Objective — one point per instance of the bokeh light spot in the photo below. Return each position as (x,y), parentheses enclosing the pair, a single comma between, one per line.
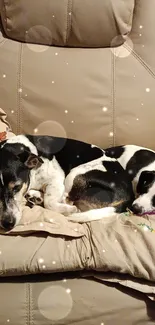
(122,50)
(38,33)
(55,303)
(52,128)
(41,260)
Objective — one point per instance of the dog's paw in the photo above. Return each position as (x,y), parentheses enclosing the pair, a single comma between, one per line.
(68,209)
(75,216)
(62,208)
(34,197)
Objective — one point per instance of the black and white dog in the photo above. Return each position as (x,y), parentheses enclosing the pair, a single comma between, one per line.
(77,179)
(139,163)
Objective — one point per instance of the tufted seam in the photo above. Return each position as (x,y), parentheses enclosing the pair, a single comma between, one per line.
(143,63)
(112,143)
(68,20)
(19,94)
(27,304)
(31,306)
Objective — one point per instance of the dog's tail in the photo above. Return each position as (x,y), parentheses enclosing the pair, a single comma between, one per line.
(92,215)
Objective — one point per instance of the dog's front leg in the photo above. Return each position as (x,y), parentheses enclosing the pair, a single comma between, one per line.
(53,197)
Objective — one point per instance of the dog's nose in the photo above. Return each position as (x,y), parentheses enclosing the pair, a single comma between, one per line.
(136,208)
(8,222)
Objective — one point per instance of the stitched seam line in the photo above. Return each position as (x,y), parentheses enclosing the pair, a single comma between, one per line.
(27,304)
(145,65)
(31,306)
(32,258)
(112,142)
(111,99)
(19,94)
(68,20)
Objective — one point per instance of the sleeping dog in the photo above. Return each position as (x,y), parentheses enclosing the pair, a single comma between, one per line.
(139,162)
(71,174)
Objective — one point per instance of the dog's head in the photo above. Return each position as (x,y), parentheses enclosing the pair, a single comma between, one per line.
(145,201)
(15,166)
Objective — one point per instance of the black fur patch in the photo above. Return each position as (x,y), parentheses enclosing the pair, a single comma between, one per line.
(16,148)
(140,159)
(146,180)
(114,167)
(115,152)
(69,153)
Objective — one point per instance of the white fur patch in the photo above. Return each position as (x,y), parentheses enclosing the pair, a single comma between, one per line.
(128,153)
(14,206)
(92,215)
(15,210)
(51,176)
(82,169)
(144,201)
(46,173)
(35,193)
(94,146)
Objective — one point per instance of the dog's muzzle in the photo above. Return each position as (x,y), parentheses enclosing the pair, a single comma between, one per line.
(136,209)
(8,221)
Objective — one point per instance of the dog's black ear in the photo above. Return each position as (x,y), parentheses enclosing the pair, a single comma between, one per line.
(147,176)
(30,160)
(146,179)
(33,161)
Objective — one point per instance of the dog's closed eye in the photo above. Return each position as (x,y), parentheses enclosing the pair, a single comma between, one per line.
(15,187)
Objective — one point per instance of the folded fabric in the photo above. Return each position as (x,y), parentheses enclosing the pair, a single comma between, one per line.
(123,245)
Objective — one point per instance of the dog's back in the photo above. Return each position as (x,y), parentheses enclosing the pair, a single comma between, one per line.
(69,153)
(133,158)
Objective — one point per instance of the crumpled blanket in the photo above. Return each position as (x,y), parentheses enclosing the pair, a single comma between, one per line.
(46,241)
